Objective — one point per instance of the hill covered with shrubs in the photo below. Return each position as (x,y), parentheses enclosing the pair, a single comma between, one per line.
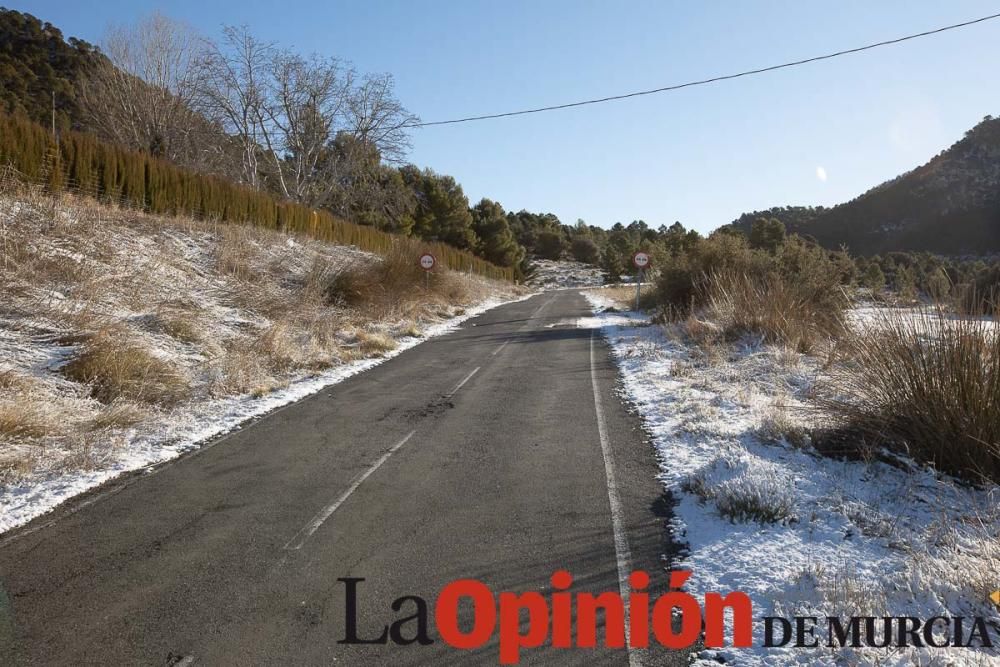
(951,205)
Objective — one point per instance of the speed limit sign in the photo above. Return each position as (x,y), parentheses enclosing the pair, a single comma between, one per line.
(427,261)
(640,259)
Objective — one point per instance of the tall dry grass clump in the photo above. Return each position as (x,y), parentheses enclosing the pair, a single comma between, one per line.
(792,294)
(797,314)
(396,282)
(116,366)
(927,384)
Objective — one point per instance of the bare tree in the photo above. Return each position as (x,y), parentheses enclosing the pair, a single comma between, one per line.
(232,89)
(378,119)
(307,100)
(141,95)
(288,111)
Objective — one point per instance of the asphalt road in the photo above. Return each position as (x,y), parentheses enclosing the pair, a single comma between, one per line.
(476,455)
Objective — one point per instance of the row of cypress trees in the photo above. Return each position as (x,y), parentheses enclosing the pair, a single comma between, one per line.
(79,163)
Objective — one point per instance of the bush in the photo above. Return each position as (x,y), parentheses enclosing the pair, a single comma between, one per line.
(550,245)
(396,279)
(781,310)
(982,295)
(585,250)
(791,294)
(927,385)
(115,367)
(680,285)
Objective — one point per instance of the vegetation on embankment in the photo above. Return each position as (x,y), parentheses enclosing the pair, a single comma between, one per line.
(118,326)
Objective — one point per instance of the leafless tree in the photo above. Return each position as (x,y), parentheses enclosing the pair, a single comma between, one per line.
(140,97)
(288,111)
(306,102)
(232,80)
(378,119)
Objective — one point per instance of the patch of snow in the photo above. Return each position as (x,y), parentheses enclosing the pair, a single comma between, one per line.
(550,274)
(843,538)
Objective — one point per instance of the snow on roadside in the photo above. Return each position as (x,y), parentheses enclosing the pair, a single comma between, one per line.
(563,274)
(801,534)
(190,427)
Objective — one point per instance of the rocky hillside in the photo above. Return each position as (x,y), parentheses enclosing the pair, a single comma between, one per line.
(950,205)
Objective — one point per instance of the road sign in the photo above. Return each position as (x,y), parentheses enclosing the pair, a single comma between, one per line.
(427,261)
(640,259)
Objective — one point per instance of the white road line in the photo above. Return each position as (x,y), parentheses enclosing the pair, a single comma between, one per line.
(303,535)
(623,554)
(543,307)
(462,383)
(502,346)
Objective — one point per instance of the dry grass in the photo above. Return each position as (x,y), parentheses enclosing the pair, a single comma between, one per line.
(927,385)
(117,367)
(22,419)
(237,253)
(375,344)
(778,310)
(181,322)
(118,415)
(777,425)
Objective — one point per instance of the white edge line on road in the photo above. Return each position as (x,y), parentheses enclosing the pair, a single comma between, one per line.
(623,554)
(303,535)
(462,383)
(502,346)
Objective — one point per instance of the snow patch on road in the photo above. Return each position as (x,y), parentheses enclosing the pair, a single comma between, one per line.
(761,512)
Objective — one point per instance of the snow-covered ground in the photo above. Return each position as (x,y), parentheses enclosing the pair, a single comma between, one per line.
(803,535)
(551,274)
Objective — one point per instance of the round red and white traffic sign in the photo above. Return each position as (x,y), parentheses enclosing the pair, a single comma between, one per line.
(640,259)
(427,261)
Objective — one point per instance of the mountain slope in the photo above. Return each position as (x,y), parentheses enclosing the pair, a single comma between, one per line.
(37,63)
(950,205)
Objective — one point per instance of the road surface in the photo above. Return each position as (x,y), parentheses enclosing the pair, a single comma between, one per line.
(478,454)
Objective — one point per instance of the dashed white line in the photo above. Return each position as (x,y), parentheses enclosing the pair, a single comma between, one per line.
(303,535)
(497,351)
(542,307)
(462,383)
(623,554)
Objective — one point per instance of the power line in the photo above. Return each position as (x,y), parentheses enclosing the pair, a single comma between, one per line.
(714,79)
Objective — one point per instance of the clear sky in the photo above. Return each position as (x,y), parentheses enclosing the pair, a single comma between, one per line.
(818,134)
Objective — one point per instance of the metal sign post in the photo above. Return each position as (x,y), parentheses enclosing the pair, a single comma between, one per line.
(427,263)
(641,261)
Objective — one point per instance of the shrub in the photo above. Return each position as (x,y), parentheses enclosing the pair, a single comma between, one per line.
(982,295)
(682,276)
(117,367)
(745,488)
(550,245)
(924,384)
(585,250)
(779,310)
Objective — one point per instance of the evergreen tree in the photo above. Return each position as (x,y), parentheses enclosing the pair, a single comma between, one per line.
(496,242)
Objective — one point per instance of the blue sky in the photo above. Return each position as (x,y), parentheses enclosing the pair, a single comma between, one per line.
(702,155)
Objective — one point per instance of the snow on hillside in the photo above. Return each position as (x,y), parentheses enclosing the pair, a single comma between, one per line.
(126,340)
(761,512)
(551,274)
